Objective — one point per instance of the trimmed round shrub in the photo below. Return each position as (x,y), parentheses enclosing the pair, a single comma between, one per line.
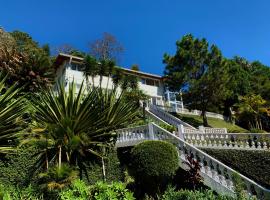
(153,165)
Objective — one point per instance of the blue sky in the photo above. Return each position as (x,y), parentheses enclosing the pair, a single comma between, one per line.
(146,28)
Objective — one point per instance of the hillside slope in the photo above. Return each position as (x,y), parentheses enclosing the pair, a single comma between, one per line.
(213,122)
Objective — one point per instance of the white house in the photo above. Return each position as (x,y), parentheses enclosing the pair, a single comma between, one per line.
(69,68)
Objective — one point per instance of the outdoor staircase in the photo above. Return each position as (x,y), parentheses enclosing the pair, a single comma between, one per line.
(205,137)
(188,140)
(167,117)
(216,175)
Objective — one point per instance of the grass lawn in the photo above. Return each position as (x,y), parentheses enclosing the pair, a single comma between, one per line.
(253,164)
(213,122)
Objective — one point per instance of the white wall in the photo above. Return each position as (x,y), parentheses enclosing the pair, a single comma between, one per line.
(78,77)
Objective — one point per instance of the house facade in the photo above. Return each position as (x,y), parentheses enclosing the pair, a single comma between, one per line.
(69,68)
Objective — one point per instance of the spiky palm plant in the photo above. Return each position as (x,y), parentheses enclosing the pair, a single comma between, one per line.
(72,126)
(12,108)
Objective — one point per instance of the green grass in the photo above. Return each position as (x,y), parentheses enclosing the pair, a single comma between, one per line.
(213,122)
(253,164)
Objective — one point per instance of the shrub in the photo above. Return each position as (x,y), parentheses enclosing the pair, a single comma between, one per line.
(169,128)
(17,168)
(253,164)
(114,191)
(78,190)
(16,193)
(171,194)
(153,165)
(93,171)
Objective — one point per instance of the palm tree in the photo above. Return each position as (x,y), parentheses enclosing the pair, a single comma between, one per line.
(12,108)
(73,126)
(90,69)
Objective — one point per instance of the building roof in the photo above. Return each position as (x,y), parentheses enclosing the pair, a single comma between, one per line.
(62,57)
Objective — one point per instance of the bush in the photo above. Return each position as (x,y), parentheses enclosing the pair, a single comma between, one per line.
(114,191)
(171,194)
(78,190)
(153,165)
(169,128)
(16,193)
(253,164)
(93,172)
(17,168)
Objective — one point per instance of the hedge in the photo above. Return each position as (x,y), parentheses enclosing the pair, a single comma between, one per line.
(17,168)
(153,165)
(253,164)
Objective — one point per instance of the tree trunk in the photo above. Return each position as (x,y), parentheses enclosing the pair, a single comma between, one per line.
(60,157)
(205,122)
(47,161)
(103,169)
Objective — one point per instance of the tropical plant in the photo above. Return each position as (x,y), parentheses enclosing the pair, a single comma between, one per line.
(72,126)
(172,194)
(90,69)
(114,191)
(12,108)
(78,190)
(57,178)
(193,176)
(251,108)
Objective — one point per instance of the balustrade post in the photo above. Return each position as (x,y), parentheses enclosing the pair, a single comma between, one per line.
(151,131)
(201,128)
(181,131)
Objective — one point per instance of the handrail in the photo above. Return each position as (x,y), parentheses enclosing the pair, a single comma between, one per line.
(212,169)
(168,117)
(232,171)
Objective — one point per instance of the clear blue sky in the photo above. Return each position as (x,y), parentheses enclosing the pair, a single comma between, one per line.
(146,28)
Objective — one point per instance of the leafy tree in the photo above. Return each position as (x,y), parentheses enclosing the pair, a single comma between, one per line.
(251,107)
(199,71)
(238,84)
(90,69)
(25,62)
(135,67)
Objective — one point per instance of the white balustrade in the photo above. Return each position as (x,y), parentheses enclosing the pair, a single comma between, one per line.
(251,141)
(216,175)
(167,117)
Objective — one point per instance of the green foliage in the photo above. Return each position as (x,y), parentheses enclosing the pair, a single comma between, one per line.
(72,126)
(114,191)
(57,178)
(199,70)
(12,108)
(253,164)
(197,121)
(171,194)
(78,190)
(250,109)
(16,193)
(26,63)
(153,165)
(168,127)
(93,170)
(17,168)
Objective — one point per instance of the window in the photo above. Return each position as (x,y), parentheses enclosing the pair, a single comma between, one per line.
(143,81)
(150,82)
(76,67)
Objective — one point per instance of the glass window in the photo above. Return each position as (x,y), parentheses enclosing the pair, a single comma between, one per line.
(73,66)
(150,82)
(143,81)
